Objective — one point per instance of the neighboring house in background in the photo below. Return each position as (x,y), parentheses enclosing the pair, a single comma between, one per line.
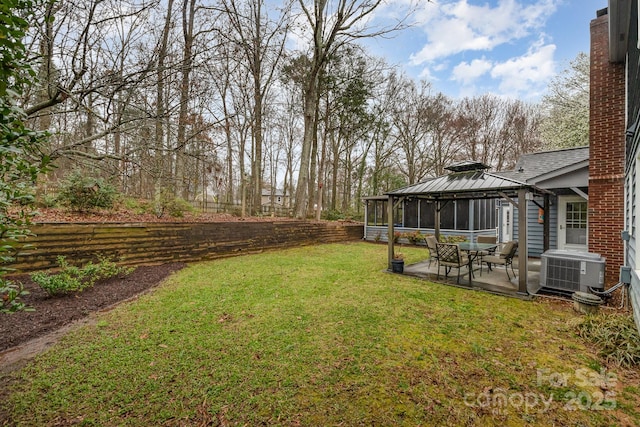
(277,197)
(614,129)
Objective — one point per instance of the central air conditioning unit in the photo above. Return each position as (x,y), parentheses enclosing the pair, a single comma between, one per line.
(569,271)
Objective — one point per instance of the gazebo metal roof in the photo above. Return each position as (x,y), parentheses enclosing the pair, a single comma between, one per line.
(470,184)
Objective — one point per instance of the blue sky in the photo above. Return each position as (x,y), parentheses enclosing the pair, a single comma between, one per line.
(510,48)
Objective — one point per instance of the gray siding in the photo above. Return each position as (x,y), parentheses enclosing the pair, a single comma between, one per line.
(535,230)
(632,202)
(535,235)
(634,289)
(631,207)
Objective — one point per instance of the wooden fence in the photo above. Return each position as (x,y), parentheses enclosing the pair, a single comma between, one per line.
(154,243)
(208,206)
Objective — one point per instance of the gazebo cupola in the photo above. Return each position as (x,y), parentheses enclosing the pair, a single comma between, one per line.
(467,166)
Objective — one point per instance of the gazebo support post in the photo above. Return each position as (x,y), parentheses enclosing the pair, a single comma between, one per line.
(523,254)
(390,231)
(437,220)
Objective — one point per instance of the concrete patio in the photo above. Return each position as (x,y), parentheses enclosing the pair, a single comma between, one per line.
(494,281)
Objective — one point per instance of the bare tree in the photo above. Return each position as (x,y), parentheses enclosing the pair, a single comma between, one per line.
(443,135)
(159,169)
(497,131)
(260,41)
(410,119)
(188,34)
(87,68)
(331,25)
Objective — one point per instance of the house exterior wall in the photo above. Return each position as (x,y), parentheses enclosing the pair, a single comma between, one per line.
(607,152)
(632,169)
(577,178)
(278,199)
(535,229)
(535,235)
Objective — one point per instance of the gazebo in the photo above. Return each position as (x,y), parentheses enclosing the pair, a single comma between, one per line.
(471,181)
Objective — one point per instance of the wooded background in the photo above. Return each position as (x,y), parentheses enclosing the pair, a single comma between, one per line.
(223,100)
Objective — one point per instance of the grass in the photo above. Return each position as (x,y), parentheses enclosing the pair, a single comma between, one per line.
(322,336)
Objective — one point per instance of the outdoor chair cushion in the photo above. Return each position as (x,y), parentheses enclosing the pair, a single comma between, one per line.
(505,257)
(450,256)
(432,243)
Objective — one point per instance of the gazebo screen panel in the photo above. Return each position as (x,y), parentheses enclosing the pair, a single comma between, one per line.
(448,215)
(371,213)
(411,213)
(462,215)
(427,214)
(485,214)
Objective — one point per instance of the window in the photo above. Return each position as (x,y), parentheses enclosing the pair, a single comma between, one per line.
(485,214)
(398,216)
(381,212)
(576,222)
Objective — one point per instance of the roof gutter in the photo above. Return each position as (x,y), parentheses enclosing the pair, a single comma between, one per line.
(619,15)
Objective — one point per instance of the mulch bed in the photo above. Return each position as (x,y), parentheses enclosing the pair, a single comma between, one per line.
(52,313)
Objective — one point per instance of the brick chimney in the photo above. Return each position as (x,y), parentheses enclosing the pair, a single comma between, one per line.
(606,151)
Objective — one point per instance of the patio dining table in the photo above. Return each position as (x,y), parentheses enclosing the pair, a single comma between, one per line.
(472,249)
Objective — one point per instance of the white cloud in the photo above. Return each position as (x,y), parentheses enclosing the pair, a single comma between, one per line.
(457,26)
(524,77)
(466,73)
(527,74)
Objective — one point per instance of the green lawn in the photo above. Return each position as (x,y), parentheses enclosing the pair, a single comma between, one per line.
(320,336)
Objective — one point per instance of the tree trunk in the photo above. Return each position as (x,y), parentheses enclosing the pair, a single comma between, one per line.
(188,17)
(314,160)
(158,169)
(301,202)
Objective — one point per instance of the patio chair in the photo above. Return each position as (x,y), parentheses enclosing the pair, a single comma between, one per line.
(481,254)
(450,256)
(505,257)
(433,250)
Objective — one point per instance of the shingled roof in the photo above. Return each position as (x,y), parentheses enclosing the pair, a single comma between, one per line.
(535,167)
